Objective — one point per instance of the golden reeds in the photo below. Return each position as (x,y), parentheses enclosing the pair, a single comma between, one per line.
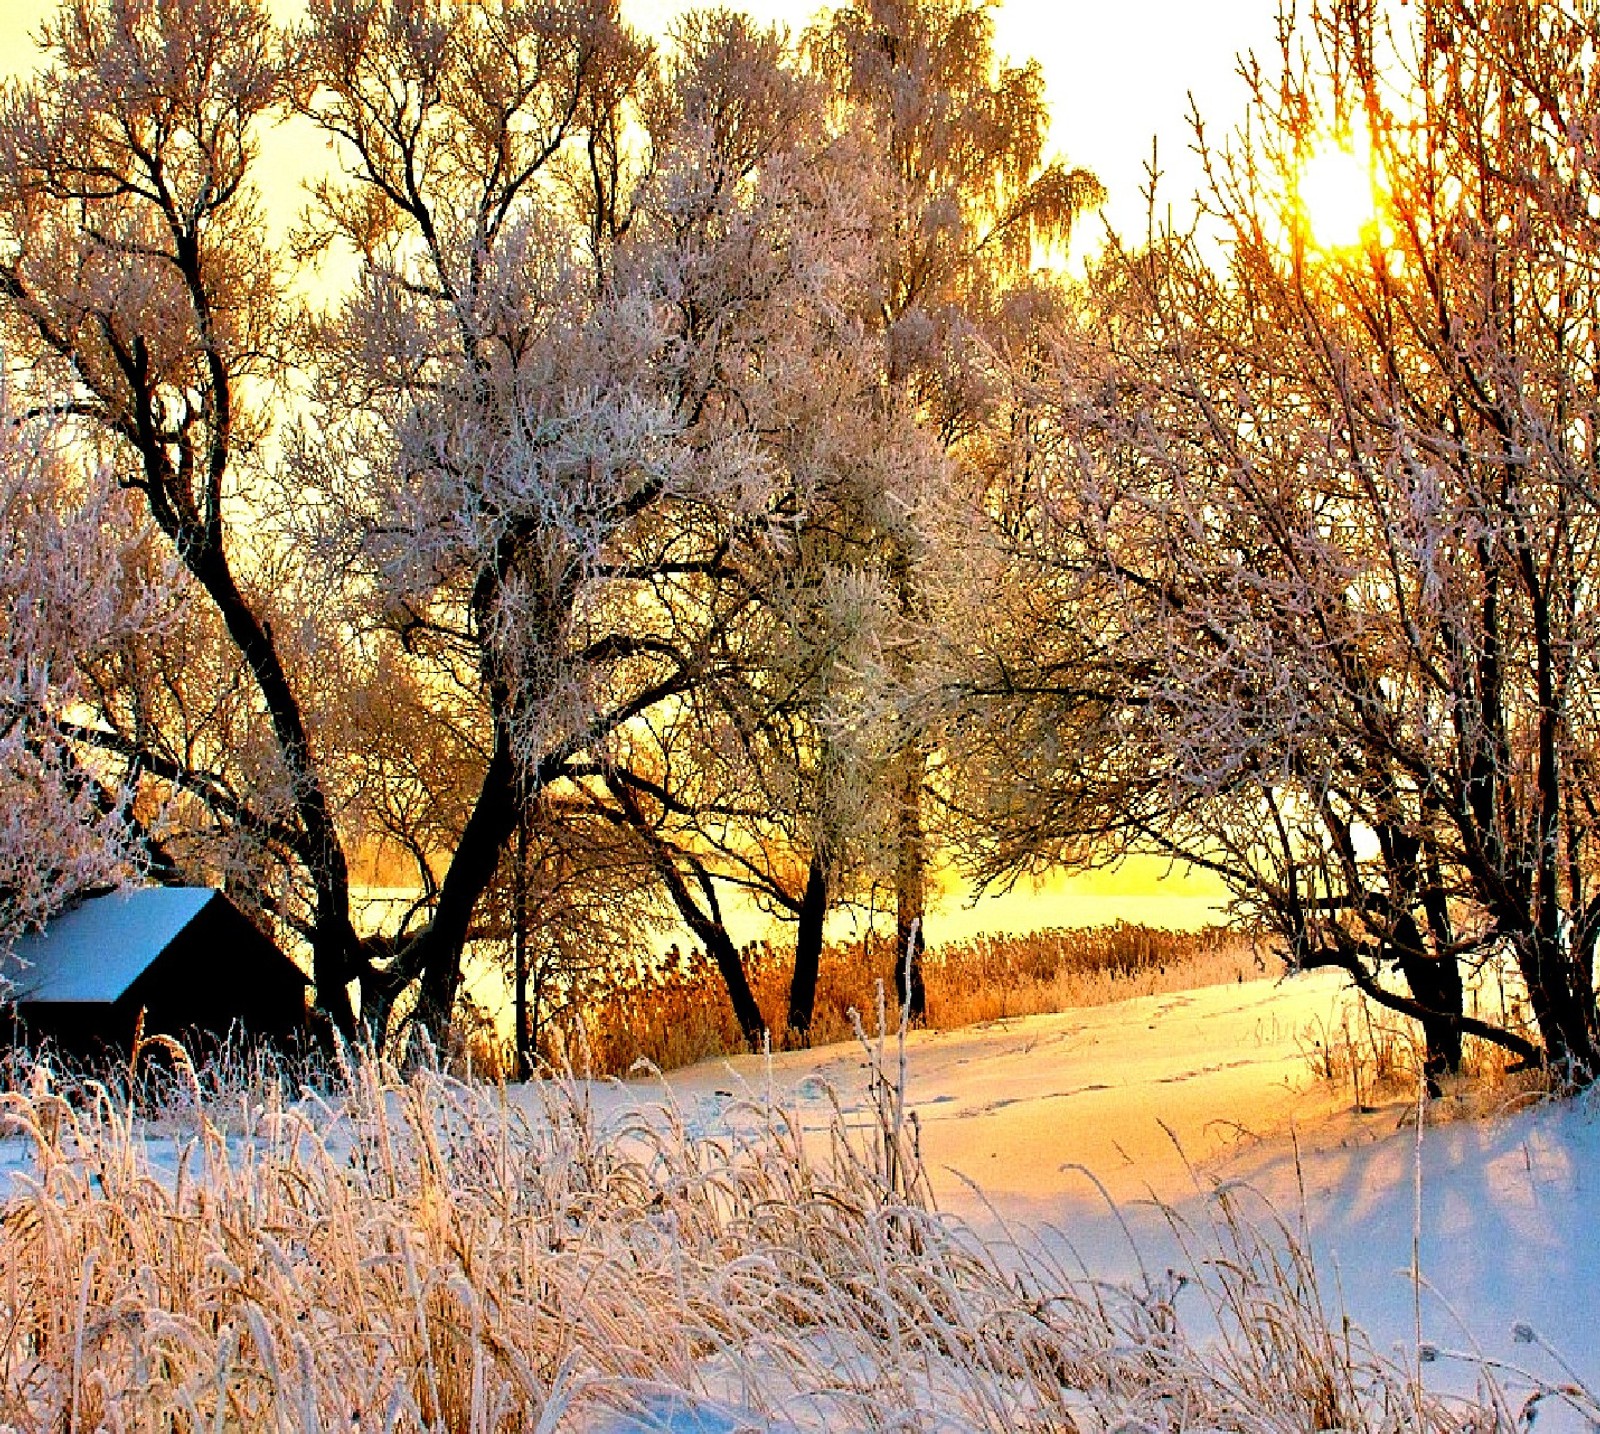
(676,1012)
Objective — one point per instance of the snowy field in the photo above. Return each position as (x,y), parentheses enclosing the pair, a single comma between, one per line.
(663,1238)
(1098,1133)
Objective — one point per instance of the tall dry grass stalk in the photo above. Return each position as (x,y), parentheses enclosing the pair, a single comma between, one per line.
(422,1253)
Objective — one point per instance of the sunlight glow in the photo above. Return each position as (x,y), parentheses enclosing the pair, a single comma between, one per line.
(1339,195)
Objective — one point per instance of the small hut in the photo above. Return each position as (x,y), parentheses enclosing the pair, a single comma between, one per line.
(185,956)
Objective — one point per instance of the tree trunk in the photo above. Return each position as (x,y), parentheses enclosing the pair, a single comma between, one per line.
(519,944)
(1559,1008)
(1571,1003)
(719,946)
(705,924)
(438,950)
(910,873)
(334,945)
(808,949)
(1369,986)
(1435,984)
(910,888)
(713,936)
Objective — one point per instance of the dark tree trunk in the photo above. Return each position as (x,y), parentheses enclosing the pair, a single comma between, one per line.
(706,923)
(1365,982)
(808,949)
(719,946)
(1560,1007)
(713,936)
(438,950)
(910,890)
(519,944)
(335,947)
(1571,1002)
(1435,985)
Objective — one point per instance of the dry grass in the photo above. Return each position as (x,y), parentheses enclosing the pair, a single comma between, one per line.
(993,977)
(419,1253)
(676,1013)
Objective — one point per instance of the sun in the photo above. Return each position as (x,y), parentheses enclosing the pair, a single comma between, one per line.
(1338,195)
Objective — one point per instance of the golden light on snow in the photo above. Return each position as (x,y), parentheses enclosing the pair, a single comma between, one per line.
(1339,195)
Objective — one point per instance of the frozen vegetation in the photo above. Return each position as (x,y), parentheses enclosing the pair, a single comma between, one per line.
(654,474)
(757,1244)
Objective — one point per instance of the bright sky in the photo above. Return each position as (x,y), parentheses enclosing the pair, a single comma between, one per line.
(1118,75)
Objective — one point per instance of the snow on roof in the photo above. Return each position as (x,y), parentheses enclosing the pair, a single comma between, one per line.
(94,952)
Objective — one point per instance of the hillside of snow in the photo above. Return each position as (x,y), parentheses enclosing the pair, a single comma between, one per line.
(1102,1134)
(1103,1177)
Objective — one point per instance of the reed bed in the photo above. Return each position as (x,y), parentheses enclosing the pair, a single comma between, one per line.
(676,1012)
(416,1252)
(994,977)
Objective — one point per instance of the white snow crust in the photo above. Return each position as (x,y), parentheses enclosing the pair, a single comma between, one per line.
(1102,1135)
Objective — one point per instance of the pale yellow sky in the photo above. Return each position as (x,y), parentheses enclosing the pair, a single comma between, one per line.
(1117,75)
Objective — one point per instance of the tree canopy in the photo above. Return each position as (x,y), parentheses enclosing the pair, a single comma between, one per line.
(706,485)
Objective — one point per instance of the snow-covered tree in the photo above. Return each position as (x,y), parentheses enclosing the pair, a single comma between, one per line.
(70,595)
(1318,525)
(763,782)
(135,278)
(972,201)
(562,432)
(549,450)
(768,783)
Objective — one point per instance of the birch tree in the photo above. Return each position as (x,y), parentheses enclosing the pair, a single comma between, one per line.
(972,200)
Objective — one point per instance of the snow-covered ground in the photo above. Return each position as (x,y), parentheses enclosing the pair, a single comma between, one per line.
(1069,1129)
(1099,1139)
